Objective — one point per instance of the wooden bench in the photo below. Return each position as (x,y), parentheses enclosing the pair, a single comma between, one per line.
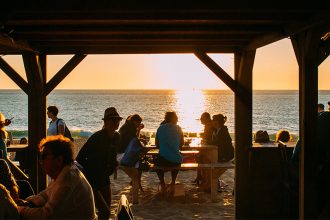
(216,170)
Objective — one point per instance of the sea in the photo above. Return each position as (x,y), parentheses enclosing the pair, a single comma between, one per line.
(83,110)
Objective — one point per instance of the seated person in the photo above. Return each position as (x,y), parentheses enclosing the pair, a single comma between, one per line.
(69,195)
(8,207)
(128,131)
(222,139)
(169,140)
(8,181)
(323,160)
(283,135)
(8,193)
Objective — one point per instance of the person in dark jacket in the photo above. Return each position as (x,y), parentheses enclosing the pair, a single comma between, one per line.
(98,160)
(222,139)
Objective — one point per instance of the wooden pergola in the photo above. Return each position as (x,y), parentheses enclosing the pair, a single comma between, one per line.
(37,29)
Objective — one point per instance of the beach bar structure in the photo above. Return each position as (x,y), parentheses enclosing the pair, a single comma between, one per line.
(36,29)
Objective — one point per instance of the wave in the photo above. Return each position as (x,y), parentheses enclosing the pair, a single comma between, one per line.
(75,133)
(17,134)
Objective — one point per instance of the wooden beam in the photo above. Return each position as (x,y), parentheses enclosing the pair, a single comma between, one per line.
(217,70)
(36,118)
(63,72)
(14,45)
(324,47)
(306,47)
(289,30)
(243,131)
(33,71)
(13,75)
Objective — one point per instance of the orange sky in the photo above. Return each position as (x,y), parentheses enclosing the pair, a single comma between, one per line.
(275,68)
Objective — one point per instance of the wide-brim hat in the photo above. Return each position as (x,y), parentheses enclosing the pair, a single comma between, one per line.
(111,113)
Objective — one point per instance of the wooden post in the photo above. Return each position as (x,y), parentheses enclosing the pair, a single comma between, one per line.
(243,129)
(36,115)
(306,47)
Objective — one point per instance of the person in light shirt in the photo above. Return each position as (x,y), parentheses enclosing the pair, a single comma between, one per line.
(69,195)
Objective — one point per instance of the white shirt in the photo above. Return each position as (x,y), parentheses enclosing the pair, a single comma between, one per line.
(52,129)
(68,197)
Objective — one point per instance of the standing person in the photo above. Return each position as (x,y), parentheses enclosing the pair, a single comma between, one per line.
(169,140)
(69,195)
(55,127)
(3,136)
(98,159)
(222,139)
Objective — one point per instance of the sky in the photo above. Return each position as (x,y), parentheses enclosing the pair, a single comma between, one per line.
(275,68)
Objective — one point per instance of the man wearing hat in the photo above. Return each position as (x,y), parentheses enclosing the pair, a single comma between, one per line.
(98,160)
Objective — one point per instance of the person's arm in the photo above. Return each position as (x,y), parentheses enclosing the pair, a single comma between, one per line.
(61,127)
(53,204)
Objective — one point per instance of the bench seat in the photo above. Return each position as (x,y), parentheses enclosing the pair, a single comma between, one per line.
(215,170)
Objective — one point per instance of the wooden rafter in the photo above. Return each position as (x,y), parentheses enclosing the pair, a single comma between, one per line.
(63,72)
(217,70)
(13,75)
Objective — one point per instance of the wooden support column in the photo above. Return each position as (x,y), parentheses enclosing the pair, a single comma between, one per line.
(243,130)
(36,115)
(307,51)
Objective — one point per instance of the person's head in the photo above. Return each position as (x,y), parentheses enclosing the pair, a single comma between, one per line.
(261,136)
(328,106)
(320,107)
(55,153)
(2,121)
(218,120)
(283,135)
(52,111)
(136,120)
(205,118)
(171,117)
(111,119)
(23,140)
(7,179)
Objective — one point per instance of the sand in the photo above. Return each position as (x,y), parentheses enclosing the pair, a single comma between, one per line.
(194,204)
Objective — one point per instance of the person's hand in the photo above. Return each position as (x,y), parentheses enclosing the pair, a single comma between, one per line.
(141,126)
(21,202)
(7,122)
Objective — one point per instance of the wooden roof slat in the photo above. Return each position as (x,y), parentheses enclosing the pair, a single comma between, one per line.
(107,25)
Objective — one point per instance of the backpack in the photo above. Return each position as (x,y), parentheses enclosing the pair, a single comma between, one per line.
(67,132)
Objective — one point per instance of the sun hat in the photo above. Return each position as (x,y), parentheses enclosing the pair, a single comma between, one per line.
(261,136)
(111,113)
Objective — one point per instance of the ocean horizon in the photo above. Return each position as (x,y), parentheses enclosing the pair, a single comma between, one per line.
(83,109)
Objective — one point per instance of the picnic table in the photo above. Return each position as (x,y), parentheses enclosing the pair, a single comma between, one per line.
(17,147)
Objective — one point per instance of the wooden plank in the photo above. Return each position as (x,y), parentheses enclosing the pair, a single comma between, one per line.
(13,75)
(217,70)
(306,47)
(63,72)
(11,44)
(36,118)
(243,130)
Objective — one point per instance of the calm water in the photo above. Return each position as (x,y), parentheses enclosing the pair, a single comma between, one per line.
(83,109)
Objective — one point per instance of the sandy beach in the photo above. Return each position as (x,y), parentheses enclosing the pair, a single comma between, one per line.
(195,204)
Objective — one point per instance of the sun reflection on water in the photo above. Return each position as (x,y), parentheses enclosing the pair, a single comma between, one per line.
(190,104)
